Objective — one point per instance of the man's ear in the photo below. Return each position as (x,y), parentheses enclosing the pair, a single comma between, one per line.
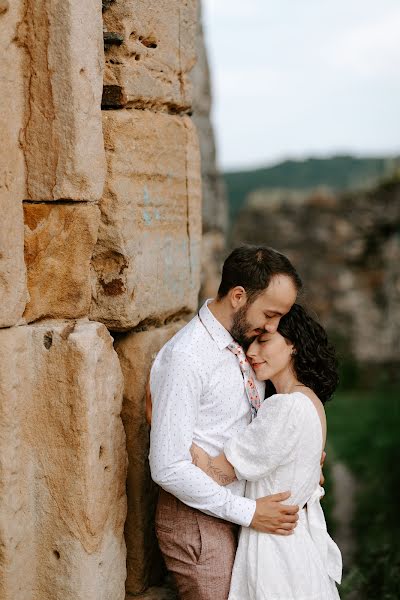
(237,297)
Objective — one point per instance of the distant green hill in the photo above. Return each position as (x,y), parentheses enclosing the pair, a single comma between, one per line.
(338,173)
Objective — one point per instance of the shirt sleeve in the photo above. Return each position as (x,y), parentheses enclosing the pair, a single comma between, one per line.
(268,442)
(176,388)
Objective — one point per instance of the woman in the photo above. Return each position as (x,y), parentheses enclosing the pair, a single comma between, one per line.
(281,450)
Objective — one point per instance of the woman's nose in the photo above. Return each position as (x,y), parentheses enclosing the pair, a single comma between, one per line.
(252,350)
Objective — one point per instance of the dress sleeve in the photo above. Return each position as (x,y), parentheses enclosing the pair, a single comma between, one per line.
(269,441)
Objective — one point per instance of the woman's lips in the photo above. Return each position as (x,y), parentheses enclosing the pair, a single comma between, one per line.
(257,365)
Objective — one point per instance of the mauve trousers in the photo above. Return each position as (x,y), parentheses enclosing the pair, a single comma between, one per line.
(199,550)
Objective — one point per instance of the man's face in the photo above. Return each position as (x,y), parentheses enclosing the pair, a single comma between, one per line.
(265,312)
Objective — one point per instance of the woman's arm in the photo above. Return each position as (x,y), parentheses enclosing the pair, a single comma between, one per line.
(218,468)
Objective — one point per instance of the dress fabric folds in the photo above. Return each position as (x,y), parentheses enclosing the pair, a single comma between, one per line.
(281,451)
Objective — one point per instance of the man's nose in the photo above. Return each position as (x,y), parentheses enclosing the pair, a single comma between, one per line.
(271,327)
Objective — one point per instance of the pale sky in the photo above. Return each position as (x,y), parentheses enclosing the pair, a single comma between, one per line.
(294,78)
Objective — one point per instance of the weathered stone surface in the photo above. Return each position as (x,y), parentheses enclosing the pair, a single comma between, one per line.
(13,292)
(346,247)
(136,352)
(17,527)
(200,74)
(214,207)
(212,255)
(214,200)
(63,464)
(12,170)
(4,6)
(63,142)
(215,210)
(146,262)
(59,242)
(151,66)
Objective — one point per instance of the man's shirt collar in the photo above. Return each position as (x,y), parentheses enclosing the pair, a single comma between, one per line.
(217,331)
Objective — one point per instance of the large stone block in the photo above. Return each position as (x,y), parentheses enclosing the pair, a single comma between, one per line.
(149,58)
(63,464)
(59,242)
(13,291)
(215,208)
(63,140)
(200,74)
(212,257)
(136,352)
(214,205)
(12,169)
(17,526)
(146,260)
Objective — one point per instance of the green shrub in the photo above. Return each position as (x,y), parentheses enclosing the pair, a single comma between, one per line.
(364,430)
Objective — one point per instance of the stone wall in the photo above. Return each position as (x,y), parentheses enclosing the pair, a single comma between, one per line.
(347,248)
(100,240)
(215,207)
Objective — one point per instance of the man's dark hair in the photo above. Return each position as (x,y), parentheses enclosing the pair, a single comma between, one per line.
(253,267)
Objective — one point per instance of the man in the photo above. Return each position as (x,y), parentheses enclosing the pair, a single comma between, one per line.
(198,386)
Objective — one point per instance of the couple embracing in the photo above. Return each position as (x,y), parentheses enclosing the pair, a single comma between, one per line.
(238,431)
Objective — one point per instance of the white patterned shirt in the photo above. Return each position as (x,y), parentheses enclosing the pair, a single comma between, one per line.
(198,395)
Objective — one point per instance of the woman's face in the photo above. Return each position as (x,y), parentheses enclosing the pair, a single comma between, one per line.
(270,354)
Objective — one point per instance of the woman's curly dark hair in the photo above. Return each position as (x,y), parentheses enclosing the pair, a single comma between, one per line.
(314,358)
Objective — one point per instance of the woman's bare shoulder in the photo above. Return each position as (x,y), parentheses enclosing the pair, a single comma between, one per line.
(310,393)
(306,391)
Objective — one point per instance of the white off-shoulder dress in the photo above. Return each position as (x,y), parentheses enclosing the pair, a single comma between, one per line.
(281,451)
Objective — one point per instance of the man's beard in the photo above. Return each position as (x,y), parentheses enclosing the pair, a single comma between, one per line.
(240,327)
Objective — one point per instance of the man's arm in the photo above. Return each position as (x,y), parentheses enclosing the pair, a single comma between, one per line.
(270,516)
(221,470)
(176,387)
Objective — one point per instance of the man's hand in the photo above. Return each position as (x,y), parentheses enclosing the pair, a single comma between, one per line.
(272,516)
(322,478)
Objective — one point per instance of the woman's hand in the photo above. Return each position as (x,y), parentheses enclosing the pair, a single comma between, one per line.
(149,405)
(218,467)
(199,456)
